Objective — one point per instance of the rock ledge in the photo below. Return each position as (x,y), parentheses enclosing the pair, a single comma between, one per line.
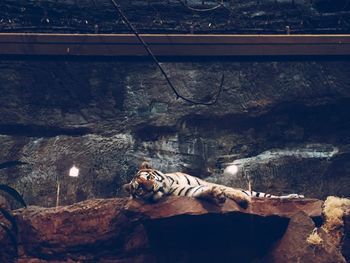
(177,229)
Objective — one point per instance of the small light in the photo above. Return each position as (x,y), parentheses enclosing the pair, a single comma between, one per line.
(231,169)
(74,171)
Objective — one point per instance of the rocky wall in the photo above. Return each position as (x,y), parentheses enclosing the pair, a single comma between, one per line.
(284,124)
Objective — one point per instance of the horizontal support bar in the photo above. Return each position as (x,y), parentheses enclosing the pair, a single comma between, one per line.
(173,45)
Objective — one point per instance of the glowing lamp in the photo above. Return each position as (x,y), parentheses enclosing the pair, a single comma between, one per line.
(74,171)
(231,169)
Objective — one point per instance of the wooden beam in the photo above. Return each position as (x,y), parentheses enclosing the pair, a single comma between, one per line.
(173,45)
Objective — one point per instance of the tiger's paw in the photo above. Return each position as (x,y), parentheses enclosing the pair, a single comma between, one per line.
(218,196)
(240,198)
(244,203)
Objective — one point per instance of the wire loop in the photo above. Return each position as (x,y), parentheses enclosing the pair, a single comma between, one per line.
(150,53)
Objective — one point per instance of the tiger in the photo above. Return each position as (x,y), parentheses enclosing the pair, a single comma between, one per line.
(152,185)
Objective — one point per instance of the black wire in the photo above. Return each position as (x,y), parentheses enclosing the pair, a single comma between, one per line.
(150,53)
(204,9)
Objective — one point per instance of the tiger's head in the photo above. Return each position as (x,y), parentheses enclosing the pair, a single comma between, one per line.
(145,185)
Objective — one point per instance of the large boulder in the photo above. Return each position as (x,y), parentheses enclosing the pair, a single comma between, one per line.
(293,247)
(177,229)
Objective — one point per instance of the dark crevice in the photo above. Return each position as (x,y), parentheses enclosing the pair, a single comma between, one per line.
(328,6)
(243,238)
(318,221)
(41,131)
(327,123)
(153,133)
(11,164)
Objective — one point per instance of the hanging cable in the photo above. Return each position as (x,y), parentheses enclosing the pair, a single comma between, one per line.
(204,9)
(150,53)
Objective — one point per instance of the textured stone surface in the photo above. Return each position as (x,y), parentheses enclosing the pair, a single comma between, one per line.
(346,240)
(284,124)
(177,229)
(237,16)
(294,248)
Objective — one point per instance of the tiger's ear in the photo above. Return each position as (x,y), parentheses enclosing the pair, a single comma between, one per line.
(127,188)
(145,165)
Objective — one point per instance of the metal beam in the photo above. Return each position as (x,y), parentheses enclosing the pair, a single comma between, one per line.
(173,45)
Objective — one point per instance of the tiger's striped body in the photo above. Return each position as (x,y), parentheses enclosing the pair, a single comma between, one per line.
(150,184)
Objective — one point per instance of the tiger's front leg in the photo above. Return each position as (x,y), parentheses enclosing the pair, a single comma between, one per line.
(211,193)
